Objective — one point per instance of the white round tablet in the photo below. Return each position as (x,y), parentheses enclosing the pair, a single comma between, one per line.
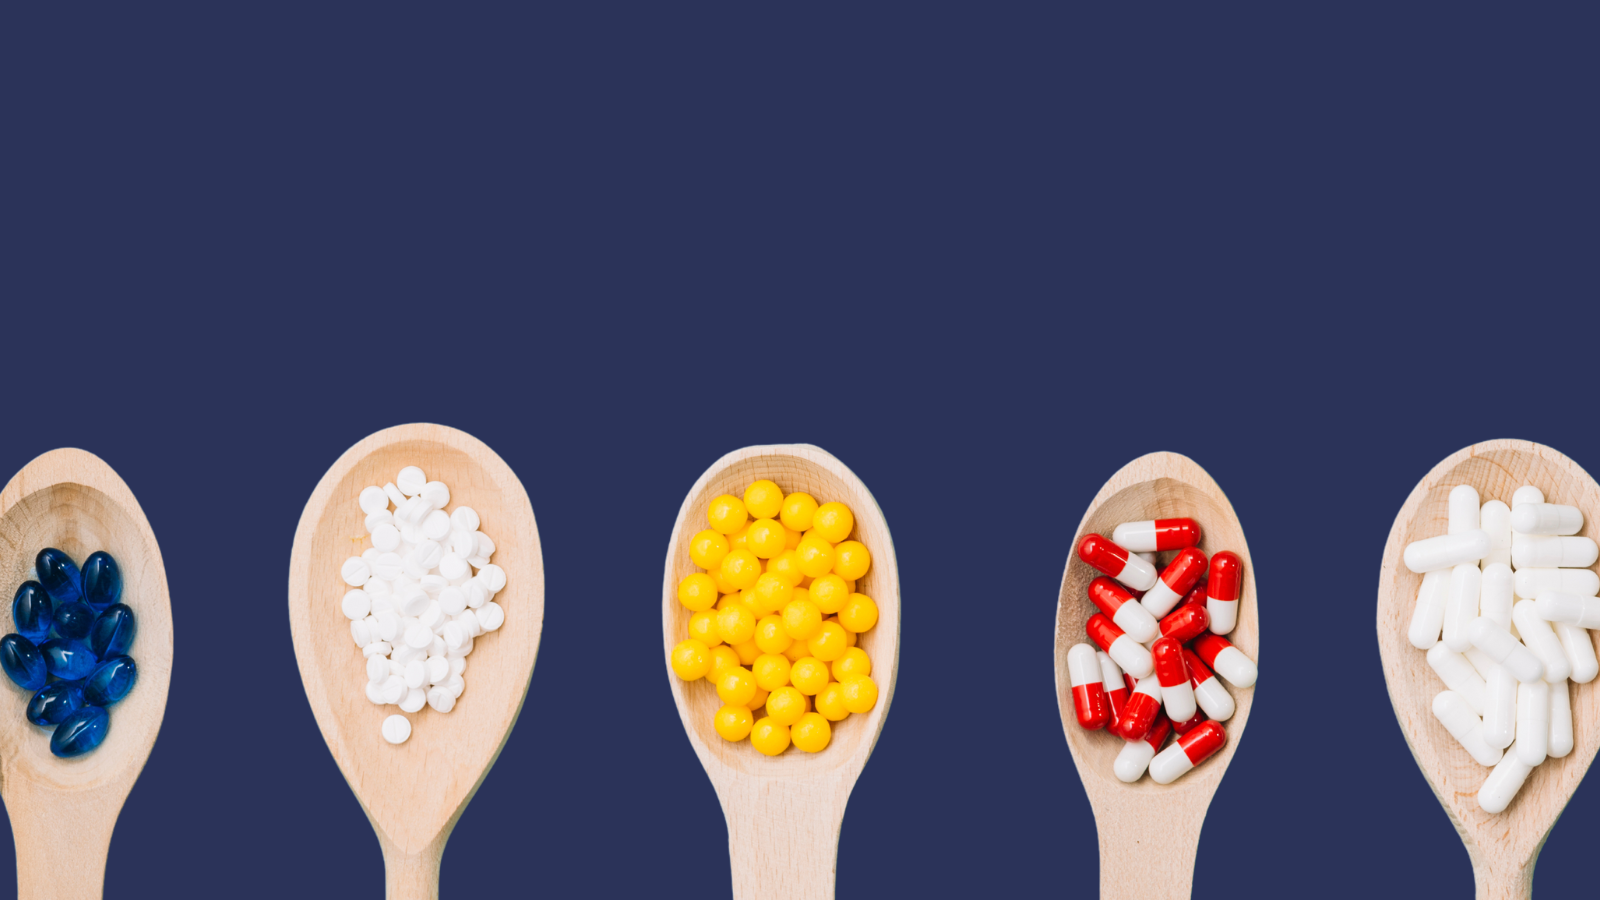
(436,494)
(355,571)
(356,604)
(373,499)
(411,481)
(396,729)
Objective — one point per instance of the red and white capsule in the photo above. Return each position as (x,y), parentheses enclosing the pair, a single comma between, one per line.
(1180,575)
(1139,716)
(1226,660)
(1191,750)
(1117,562)
(1116,686)
(1115,601)
(1186,623)
(1089,698)
(1212,698)
(1136,755)
(1223,585)
(1123,650)
(1195,721)
(1173,676)
(1157,535)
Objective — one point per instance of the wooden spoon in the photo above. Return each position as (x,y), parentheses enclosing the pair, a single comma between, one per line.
(1503,847)
(63,810)
(784,812)
(1149,833)
(413,793)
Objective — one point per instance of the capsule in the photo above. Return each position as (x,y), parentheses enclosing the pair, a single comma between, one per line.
(1157,535)
(1229,661)
(81,732)
(1135,756)
(1116,687)
(1446,551)
(1459,676)
(1499,708)
(1178,578)
(1117,562)
(113,632)
(59,575)
(1540,639)
(1498,593)
(114,678)
(1223,585)
(1546,518)
(73,620)
(1185,623)
(1533,722)
(23,662)
(1193,722)
(1579,650)
(1139,716)
(1495,519)
(1427,618)
(1534,551)
(1531,582)
(1463,505)
(1505,779)
(33,611)
(1212,698)
(102,581)
(1463,724)
(1123,650)
(1088,689)
(1115,601)
(1461,605)
(68,660)
(54,702)
(1506,650)
(1554,606)
(1560,721)
(1526,494)
(1190,750)
(1177,696)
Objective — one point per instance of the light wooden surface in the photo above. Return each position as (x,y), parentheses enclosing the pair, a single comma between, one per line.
(1149,832)
(784,812)
(413,793)
(63,811)
(1503,847)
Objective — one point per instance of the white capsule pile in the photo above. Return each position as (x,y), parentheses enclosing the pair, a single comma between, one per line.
(1506,602)
(416,605)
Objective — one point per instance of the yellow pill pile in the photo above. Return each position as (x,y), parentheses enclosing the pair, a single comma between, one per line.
(775,617)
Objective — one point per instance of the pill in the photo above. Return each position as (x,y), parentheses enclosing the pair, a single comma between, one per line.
(1230,662)
(381,517)
(1446,551)
(386,567)
(1212,698)
(1185,623)
(1497,593)
(1463,509)
(1546,518)
(465,545)
(1530,582)
(33,611)
(385,537)
(375,693)
(1089,700)
(80,732)
(1113,684)
(102,581)
(436,495)
(410,599)
(1127,653)
(1526,494)
(441,699)
(378,648)
(1141,711)
(1579,650)
(418,635)
(458,665)
(59,575)
(1504,780)
(477,594)
(454,635)
(1135,756)
(453,601)
(1463,724)
(373,499)
(1177,697)
(1533,551)
(491,616)
(436,526)
(1533,722)
(1427,617)
(1484,665)
(465,518)
(1506,650)
(493,577)
(396,729)
(1495,518)
(1115,601)
(1499,708)
(355,571)
(415,673)
(452,567)
(438,669)
(411,481)
(414,700)
(1157,535)
(433,617)
(1560,739)
(1116,562)
(427,554)
(392,689)
(468,619)
(356,604)
(1461,605)
(54,703)
(67,659)
(394,494)
(1223,584)
(1177,579)
(1555,606)
(113,632)
(1541,639)
(377,669)
(1459,676)
(1187,752)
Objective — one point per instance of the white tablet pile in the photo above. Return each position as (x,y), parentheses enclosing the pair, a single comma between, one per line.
(416,603)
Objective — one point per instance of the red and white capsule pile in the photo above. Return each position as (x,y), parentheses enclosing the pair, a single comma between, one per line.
(1160,637)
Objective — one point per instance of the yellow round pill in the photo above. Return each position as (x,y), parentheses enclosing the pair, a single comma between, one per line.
(758,703)
(726,514)
(829,643)
(833,521)
(697,592)
(771,671)
(860,693)
(708,548)
(740,569)
(703,627)
(798,508)
(765,538)
(736,541)
(816,556)
(763,499)
(786,565)
(723,658)
(786,705)
(791,538)
(851,560)
(796,652)
(723,587)
(859,613)
(811,733)
(809,675)
(733,722)
(736,686)
(769,737)
(847,632)
(830,702)
(770,594)
(736,624)
(829,593)
(748,652)
(691,660)
(801,619)
(854,662)
(771,636)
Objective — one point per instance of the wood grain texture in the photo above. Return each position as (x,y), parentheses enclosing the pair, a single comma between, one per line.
(1148,832)
(414,793)
(1503,847)
(784,812)
(63,811)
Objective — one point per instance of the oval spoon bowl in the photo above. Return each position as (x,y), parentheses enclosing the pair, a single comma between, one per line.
(63,811)
(414,793)
(1503,847)
(1148,832)
(784,812)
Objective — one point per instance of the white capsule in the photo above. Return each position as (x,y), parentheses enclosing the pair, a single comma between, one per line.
(1560,740)
(1427,617)
(1179,701)
(411,481)
(396,729)
(1463,724)
(1579,650)
(441,699)
(1500,709)
(1463,505)
(1540,639)
(436,527)
(1526,494)
(1503,782)
(1461,606)
(1546,518)
(1554,606)
(381,517)
(1495,519)
(1533,722)
(373,499)
(1458,675)
(1532,582)
(1523,664)
(491,616)
(437,494)
(355,571)
(356,604)
(1482,663)
(1131,656)
(1497,594)
(1446,551)
(1533,551)
(1131,617)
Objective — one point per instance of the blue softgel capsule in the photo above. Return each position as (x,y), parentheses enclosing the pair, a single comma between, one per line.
(67,660)
(102,581)
(73,620)
(59,575)
(111,681)
(33,611)
(23,662)
(54,702)
(80,732)
(112,634)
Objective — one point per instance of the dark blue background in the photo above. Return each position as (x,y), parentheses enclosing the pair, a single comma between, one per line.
(984,256)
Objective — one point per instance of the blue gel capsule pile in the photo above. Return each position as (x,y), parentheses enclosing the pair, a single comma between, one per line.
(71,648)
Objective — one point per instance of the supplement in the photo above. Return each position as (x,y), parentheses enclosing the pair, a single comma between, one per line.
(1115,601)
(1139,715)
(1126,652)
(1117,562)
(1157,535)
(54,702)
(1222,591)
(1464,725)
(1135,756)
(1446,551)
(1191,750)
(1088,688)
(1177,579)
(102,581)
(1177,697)
(59,575)
(80,732)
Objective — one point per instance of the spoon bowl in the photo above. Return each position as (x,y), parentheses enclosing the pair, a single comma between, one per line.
(1503,847)
(784,812)
(1149,832)
(63,810)
(413,793)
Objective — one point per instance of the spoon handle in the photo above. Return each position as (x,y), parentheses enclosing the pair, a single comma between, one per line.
(412,876)
(783,840)
(62,842)
(1500,879)
(1150,854)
